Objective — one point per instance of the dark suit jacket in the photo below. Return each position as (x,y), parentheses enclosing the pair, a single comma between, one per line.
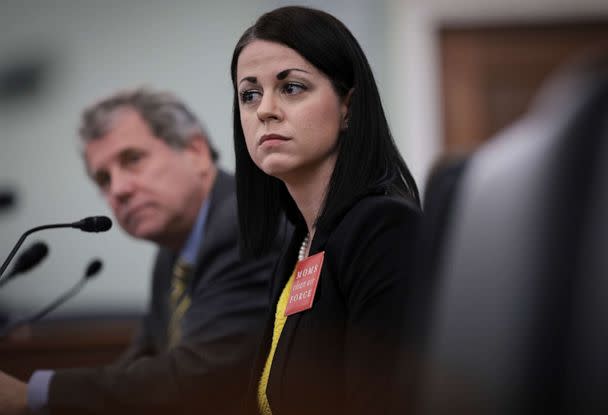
(339,357)
(208,371)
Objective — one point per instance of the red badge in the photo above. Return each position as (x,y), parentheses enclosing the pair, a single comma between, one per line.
(304,284)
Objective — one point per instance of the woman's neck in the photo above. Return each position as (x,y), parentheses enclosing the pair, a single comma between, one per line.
(308,192)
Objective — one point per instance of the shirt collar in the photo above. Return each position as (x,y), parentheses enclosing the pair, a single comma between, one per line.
(195,239)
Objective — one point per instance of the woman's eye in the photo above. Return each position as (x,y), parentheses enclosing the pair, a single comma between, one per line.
(293,88)
(248,96)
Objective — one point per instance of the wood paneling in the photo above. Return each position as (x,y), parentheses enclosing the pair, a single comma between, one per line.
(490,74)
(64,344)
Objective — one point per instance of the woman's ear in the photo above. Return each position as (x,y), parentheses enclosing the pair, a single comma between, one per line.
(345,109)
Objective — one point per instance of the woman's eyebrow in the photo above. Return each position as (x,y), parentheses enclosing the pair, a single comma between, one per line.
(283,74)
(251,79)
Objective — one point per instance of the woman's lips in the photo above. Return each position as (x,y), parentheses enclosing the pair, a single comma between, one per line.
(272,138)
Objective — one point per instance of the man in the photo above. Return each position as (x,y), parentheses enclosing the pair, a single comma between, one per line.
(153,162)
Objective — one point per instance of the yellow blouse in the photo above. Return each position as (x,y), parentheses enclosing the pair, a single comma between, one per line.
(279,322)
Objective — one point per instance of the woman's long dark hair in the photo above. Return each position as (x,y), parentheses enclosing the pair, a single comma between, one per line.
(367,155)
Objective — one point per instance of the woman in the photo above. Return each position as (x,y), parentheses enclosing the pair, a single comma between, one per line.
(312,142)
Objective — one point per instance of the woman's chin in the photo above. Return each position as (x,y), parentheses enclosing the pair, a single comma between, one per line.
(278,169)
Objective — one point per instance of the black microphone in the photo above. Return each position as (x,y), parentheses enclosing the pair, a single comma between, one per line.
(31,257)
(92,269)
(93,224)
(7,199)
(89,224)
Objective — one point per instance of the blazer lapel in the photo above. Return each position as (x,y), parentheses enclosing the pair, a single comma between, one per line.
(279,362)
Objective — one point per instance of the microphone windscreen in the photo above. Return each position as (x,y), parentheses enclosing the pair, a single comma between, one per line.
(93,268)
(7,199)
(94,224)
(30,258)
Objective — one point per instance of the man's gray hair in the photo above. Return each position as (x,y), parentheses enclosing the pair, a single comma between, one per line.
(167,117)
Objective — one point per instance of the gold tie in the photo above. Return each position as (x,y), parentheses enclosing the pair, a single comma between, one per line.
(179,300)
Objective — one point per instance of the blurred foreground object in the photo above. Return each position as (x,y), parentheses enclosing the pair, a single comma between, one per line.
(520,310)
(23,77)
(7,199)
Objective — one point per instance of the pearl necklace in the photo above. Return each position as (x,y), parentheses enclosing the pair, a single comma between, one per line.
(302,251)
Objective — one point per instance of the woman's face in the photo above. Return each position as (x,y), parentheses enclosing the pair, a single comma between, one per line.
(290,113)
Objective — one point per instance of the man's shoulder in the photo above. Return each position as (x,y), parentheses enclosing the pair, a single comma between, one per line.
(223,206)
(224,186)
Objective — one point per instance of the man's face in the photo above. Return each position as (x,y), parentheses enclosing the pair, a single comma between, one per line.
(154,190)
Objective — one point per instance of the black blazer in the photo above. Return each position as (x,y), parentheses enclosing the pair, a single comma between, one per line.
(341,355)
(208,371)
